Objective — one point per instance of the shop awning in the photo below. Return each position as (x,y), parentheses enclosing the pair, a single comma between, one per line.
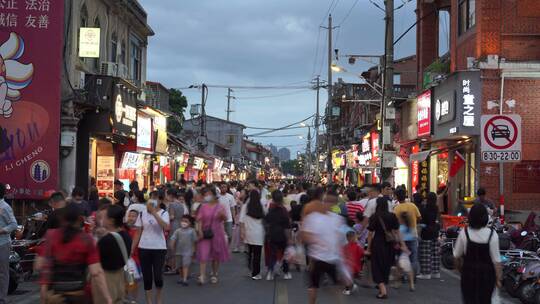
(420,156)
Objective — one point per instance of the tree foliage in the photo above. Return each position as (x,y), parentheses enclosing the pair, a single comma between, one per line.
(177,105)
(293,167)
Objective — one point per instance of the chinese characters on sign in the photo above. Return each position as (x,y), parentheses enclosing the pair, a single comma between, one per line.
(468,104)
(35,14)
(31,33)
(424,177)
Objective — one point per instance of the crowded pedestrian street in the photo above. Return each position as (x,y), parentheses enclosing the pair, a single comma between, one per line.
(269,152)
(238,288)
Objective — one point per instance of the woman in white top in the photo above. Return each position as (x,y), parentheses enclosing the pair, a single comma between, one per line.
(252,232)
(478,247)
(150,240)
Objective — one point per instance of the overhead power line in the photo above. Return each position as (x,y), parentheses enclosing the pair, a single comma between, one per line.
(302,91)
(281,128)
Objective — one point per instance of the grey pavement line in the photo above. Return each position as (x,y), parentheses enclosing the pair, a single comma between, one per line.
(281,292)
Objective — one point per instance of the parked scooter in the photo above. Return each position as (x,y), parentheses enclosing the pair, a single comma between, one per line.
(16,272)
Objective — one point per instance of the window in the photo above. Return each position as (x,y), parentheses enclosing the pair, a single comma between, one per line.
(230,139)
(397,79)
(122,58)
(114,48)
(135,58)
(466,15)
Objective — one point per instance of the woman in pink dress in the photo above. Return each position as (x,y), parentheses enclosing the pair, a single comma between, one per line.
(212,246)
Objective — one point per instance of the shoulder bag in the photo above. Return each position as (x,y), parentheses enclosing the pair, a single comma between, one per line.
(208,233)
(389,236)
(130,276)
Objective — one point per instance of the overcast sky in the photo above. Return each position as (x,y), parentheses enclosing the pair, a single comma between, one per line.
(262,43)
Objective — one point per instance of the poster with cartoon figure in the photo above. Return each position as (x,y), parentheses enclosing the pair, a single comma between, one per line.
(31,47)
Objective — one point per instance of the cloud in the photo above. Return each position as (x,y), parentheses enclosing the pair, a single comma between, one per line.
(256,42)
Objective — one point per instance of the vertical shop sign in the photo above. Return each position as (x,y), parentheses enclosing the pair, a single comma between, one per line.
(424,114)
(424,177)
(468,104)
(415,170)
(375,146)
(31,43)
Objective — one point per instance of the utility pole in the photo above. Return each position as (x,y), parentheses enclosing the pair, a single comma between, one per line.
(318,86)
(308,152)
(229,111)
(388,85)
(329,168)
(202,145)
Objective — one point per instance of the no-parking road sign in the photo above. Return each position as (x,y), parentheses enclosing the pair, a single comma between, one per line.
(501,138)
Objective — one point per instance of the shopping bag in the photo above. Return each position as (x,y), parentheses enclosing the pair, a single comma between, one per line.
(132,267)
(404,262)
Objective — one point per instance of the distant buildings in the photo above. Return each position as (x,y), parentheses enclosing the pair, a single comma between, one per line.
(284,154)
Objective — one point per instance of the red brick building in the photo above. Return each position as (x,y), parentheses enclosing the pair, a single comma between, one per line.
(500,41)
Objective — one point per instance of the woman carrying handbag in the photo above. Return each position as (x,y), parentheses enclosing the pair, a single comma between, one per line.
(212,246)
(383,240)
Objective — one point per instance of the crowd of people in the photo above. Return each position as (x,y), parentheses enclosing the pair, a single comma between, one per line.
(99,251)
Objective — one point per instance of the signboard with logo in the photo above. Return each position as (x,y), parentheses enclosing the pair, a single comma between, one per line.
(424,114)
(445,108)
(501,138)
(132,160)
(89,39)
(30,78)
(457,105)
(124,111)
(144,132)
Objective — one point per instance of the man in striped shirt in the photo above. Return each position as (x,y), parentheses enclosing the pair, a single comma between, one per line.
(353,206)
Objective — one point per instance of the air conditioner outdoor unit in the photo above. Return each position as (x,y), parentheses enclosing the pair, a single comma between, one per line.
(109,69)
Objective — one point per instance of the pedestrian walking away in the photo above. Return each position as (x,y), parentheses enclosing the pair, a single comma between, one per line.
(252,232)
(477,253)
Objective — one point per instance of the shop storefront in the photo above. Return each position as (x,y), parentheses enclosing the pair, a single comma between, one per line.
(103,131)
(455,112)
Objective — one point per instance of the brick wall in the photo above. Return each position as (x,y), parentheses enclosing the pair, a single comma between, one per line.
(527,96)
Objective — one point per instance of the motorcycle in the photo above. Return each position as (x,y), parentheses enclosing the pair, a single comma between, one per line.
(514,266)
(447,247)
(27,239)
(16,272)
(529,277)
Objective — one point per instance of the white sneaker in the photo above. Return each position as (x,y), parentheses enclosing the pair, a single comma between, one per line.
(347,292)
(424,277)
(287,276)
(436,275)
(257,277)
(270,276)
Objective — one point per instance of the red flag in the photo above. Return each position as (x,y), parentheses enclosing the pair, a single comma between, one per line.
(459,161)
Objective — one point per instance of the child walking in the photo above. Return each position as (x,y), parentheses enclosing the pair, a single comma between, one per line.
(353,255)
(183,243)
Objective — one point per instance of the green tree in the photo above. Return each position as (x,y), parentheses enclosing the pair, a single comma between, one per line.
(293,167)
(177,105)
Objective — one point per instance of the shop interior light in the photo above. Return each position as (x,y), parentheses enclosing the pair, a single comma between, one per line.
(465,137)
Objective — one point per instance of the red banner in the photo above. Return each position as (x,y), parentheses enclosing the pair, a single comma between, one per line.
(30,76)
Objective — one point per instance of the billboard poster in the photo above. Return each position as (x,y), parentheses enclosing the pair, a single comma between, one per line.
(30,69)
(105,175)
